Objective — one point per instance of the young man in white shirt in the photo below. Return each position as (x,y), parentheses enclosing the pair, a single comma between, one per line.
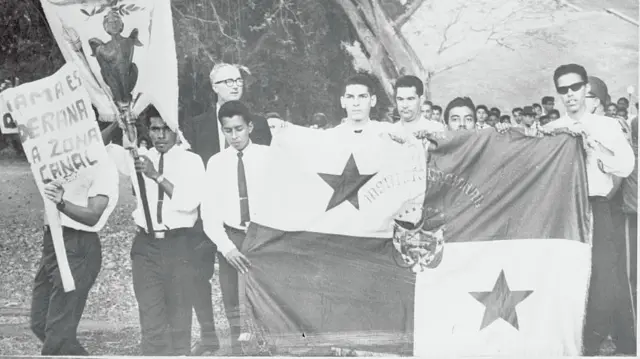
(409,93)
(357,100)
(162,266)
(231,195)
(608,154)
(85,204)
(206,138)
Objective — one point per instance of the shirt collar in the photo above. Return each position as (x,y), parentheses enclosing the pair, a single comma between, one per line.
(155,151)
(244,152)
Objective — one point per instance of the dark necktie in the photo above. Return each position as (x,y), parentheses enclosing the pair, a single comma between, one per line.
(242,191)
(160,191)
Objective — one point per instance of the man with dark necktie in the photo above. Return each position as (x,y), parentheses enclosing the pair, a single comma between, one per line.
(232,194)
(205,137)
(161,256)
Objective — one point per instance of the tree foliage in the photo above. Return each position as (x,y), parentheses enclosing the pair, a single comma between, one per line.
(27,48)
(291,47)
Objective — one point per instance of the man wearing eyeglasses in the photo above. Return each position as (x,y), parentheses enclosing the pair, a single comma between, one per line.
(608,154)
(205,137)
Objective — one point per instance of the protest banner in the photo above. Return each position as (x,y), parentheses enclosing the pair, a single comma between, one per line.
(125,53)
(7,123)
(60,137)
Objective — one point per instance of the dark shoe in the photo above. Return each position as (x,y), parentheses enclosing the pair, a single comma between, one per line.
(205,349)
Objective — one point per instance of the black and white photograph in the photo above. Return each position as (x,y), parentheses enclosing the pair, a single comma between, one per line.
(319,178)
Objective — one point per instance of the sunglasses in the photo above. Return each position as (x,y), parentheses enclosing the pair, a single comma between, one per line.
(563,90)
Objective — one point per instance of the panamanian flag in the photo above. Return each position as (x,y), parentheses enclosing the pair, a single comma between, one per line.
(510,279)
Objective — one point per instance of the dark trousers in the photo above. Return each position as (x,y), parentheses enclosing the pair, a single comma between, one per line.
(609,300)
(162,276)
(631,238)
(229,287)
(204,258)
(55,315)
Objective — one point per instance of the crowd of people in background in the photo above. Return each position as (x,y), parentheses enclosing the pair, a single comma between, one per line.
(483,116)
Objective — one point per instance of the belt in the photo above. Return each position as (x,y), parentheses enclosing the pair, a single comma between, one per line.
(46,228)
(161,234)
(598,199)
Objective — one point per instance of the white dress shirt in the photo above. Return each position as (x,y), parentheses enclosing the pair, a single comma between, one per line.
(420,124)
(185,171)
(603,130)
(369,126)
(221,200)
(101,179)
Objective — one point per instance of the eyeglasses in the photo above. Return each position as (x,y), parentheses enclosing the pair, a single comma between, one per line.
(229,82)
(563,90)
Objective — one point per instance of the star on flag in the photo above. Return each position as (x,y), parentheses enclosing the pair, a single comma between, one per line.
(346,185)
(501,302)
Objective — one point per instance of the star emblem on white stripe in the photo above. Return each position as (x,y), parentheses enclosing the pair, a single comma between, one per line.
(501,302)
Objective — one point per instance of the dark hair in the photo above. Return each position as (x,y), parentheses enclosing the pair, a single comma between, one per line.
(360,79)
(234,108)
(554,111)
(459,102)
(505,118)
(149,112)
(547,99)
(536,105)
(623,99)
(570,69)
(428,103)
(409,81)
(517,109)
(496,111)
(436,107)
(483,107)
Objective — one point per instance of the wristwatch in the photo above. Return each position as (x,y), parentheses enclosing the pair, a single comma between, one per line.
(60,206)
(159,179)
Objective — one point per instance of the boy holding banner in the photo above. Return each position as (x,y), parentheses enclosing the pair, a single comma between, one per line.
(85,204)
(79,186)
(163,270)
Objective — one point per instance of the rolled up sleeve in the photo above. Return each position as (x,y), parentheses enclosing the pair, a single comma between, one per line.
(620,161)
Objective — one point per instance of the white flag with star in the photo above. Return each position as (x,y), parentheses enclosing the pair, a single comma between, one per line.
(342,182)
(511,297)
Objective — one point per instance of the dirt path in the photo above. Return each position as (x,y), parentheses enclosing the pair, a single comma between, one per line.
(14,321)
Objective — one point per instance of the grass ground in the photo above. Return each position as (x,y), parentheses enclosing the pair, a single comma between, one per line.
(110,322)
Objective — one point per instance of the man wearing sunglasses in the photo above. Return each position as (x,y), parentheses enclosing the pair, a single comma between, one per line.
(206,138)
(608,154)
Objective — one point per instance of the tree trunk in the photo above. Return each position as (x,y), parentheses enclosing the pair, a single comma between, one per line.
(378,57)
(384,42)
